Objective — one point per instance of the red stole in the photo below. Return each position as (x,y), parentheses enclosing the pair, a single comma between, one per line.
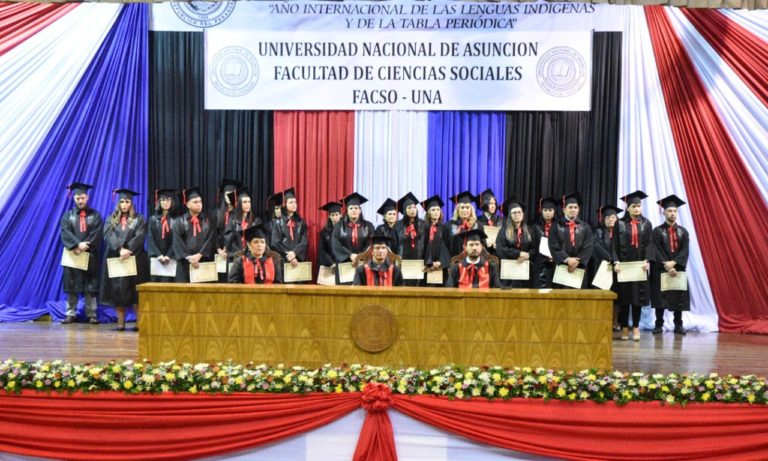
(83,226)
(265,272)
(468,273)
(385,280)
(673,239)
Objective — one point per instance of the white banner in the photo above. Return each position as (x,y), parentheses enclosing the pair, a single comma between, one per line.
(411,70)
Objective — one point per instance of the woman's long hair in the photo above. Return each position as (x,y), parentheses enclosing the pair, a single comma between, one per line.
(114,218)
(511,231)
(472,216)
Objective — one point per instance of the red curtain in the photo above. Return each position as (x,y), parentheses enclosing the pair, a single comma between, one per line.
(729,212)
(19,21)
(314,152)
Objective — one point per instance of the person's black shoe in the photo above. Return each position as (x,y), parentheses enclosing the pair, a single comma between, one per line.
(658,330)
(68,320)
(93,321)
(680,331)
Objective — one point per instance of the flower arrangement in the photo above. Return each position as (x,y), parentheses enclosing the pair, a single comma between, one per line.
(450,381)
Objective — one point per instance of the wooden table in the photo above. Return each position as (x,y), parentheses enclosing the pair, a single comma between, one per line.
(311,325)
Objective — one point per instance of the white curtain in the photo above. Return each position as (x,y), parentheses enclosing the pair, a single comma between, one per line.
(648,159)
(756,21)
(390,157)
(37,78)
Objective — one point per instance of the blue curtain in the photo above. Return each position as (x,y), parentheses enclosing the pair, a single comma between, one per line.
(100,138)
(465,152)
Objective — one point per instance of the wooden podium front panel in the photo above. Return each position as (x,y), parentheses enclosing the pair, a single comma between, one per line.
(312,325)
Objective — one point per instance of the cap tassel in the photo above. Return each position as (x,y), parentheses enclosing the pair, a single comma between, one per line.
(600,215)
(113,194)
(541,200)
(184,197)
(69,192)
(156,197)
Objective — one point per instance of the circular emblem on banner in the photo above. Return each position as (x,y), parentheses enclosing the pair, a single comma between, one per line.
(234,71)
(561,71)
(373,328)
(203,14)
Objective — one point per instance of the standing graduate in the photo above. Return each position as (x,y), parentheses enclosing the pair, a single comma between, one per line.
(273,214)
(607,216)
(670,243)
(571,239)
(517,241)
(227,190)
(257,265)
(159,234)
(81,232)
(544,264)
(380,269)
(289,233)
(489,206)
(474,270)
(632,243)
(464,219)
(388,210)
(194,235)
(351,236)
(435,237)
(124,234)
(409,233)
(240,218)
(325,252)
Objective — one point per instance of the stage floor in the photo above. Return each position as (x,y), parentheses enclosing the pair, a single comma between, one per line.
(696,352)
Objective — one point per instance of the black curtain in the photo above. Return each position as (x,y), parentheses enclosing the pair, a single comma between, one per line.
(552,153)
(191,146)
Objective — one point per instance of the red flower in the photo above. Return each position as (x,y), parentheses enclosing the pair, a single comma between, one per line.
(376,397)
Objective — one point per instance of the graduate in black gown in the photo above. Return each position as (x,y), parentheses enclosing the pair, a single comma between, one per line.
(435,237)
(410,233)
(159,233)
(325,251)
(194,235)
(464,219)
(389,211)
(81,232)
(474,270)
(226,209)
(571,239)
(242,217)
(632,243)
(351,236)
(273,214)
(289,233)
(257,264)
(544,264)
(379,270)
(517,241)
(607,216)
(124,234)
(489,214)
(670,243)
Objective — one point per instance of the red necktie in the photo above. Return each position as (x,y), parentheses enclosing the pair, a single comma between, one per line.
(123,221)
(410,231)
(490,221)
(291,225)
(465,226)
(354,227)
(382,275)
(472,273)
(195,226)
(572,228)
(258,271)
(432,232)
(672,239)
(166,227)
(519,236)
(635,238)
(83,227)
(546,229)
(226,217)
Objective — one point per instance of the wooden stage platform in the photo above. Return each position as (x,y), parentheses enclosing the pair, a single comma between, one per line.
(697,352)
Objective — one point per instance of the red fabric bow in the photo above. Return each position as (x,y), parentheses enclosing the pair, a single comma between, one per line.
(547,226)
(195,226)
(166,227)
(635,237)
(83,227)
(291,225)
(354,227)
(432,232)
(377,397)
(519,236)
(410,231)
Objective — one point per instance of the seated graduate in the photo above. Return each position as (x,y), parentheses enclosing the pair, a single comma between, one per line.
(257,265)
(378,266)
(474,267)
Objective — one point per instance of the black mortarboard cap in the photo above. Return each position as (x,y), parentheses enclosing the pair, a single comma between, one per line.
(353,199)
(607,210)
(634,197)
(671,200)
(511,202)
(170,193)
(190,193)
(380,237)
(547,203)
(387,206)
(79,188)
(256,231)
(463,197)
(288,193)
(227,185)
(435,200)
(239,192)
(407,200)
(573,197)
(483,198)
(124,193)
(472,235)
(332,207)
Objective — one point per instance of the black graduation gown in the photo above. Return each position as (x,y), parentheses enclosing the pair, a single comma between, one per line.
(561,248)
(507,248)
(157,245)
(453,274)
(634,293)
(121,291)
(543,268)
(362,280)
(75,280)
(281,237)
(233,236)
(392,233)
(185,243)
(494,221)
(603,251)
(456,243)
(341,242)
(410,244)
(236,269)
(436,250)
(325,251)
(224,217)
(672,300)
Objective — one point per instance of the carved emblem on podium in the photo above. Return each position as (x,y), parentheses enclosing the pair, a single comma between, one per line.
(373,329)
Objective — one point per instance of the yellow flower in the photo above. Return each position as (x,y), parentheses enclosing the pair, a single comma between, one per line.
(128,384)
(710,384)
(71,383)
(468,375)
(332,374)
(116,369)
(475,392)
(591,377)
(705,396)
(572,396)
(114,385)
(665,388)
(193,389)
(383,375)
(38,383)
(11,384)
(688,382)
(542,379)
(583,395)
(459,395)
(438,379)
(221,373)
(503,392)
(457,386)
(278,373)
(561,392)
(751,398)
(401,389)
(57,384)
(627,395)
(496,377)
(287,379)
(45,368)
(670,399)
(170,376)
(339,389)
